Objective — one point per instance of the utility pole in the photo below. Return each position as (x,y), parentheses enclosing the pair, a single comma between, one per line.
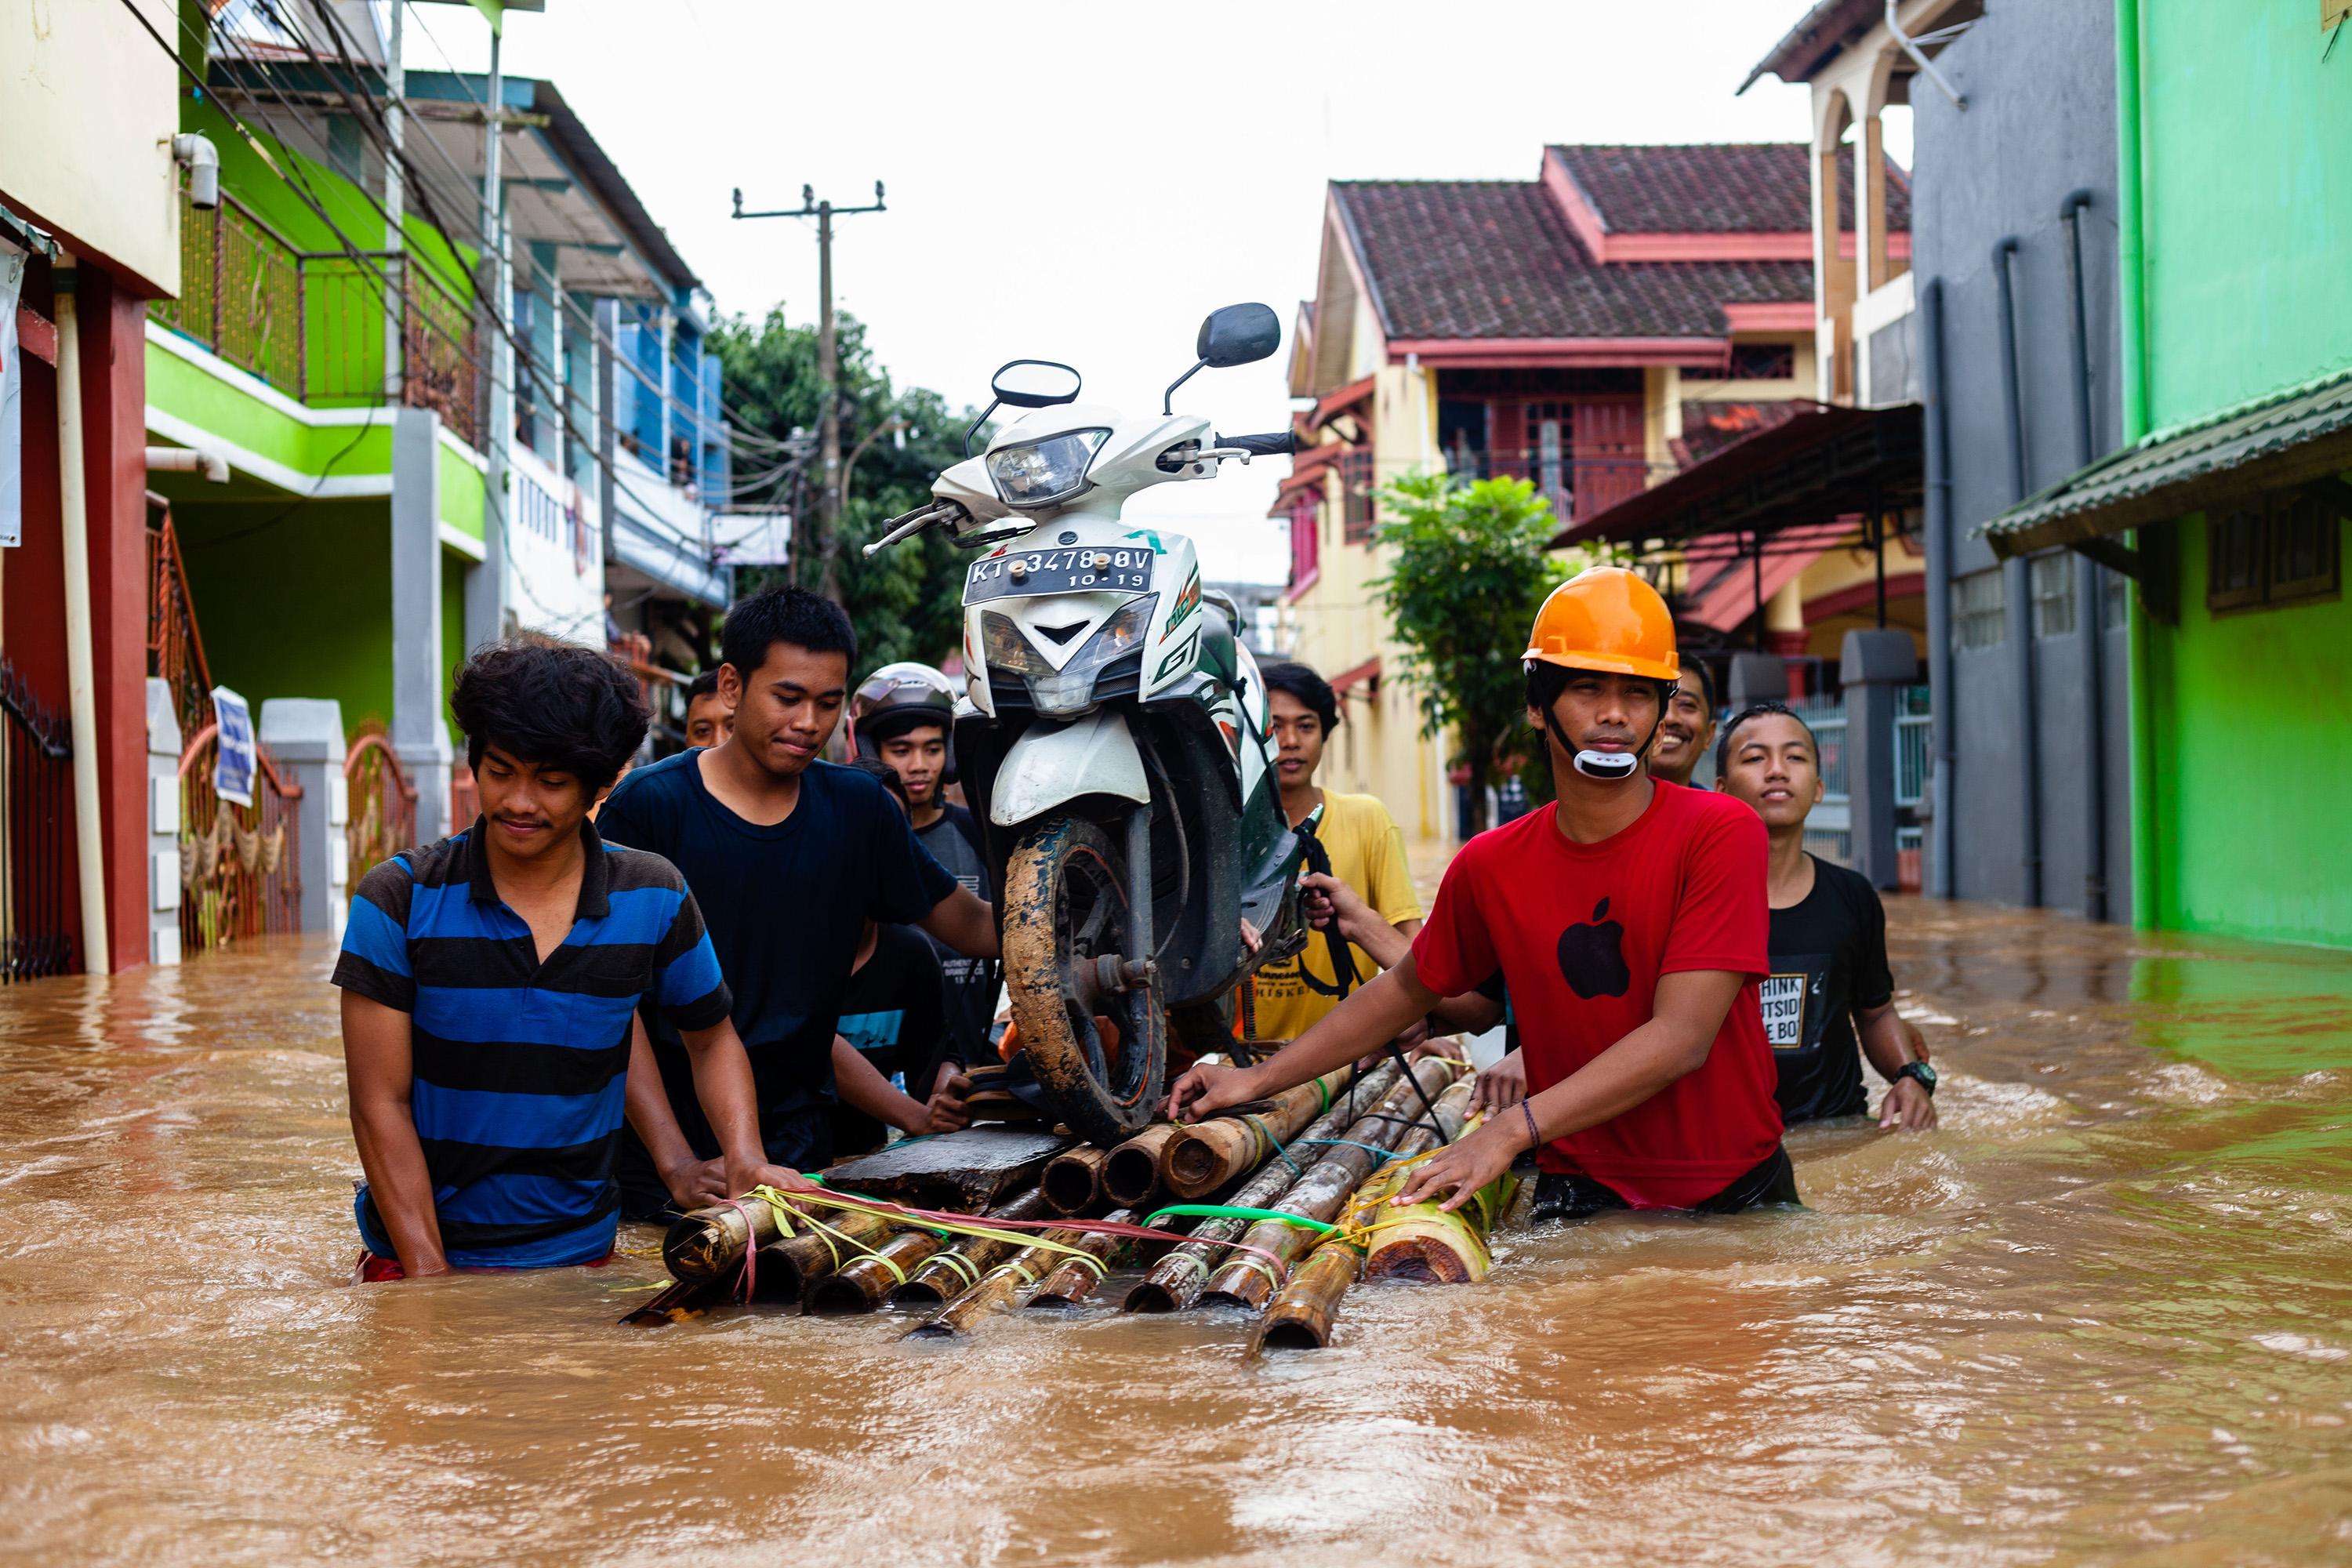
(396,315)
(828,505)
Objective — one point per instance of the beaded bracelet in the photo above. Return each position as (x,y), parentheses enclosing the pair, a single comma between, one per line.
(1534,1138)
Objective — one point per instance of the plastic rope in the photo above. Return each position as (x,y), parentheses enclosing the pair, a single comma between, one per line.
(1226,1211)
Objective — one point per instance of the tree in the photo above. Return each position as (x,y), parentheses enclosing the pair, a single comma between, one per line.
(1470,572)
(908,602)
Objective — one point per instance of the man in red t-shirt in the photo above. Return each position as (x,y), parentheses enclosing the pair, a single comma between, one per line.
(1628,921)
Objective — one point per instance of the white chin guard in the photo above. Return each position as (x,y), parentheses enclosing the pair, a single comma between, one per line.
(1613,767)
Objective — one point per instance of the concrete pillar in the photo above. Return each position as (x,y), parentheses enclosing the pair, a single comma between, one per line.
(162,901)
(305,734)
(420,734)
(1876,667)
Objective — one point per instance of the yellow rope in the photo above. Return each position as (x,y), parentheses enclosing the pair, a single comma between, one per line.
(962,1266)
(855,1204)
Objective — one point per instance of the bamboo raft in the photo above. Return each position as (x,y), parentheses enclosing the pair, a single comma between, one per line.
(1276,1209)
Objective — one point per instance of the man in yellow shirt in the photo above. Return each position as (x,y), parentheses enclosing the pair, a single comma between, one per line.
(1366,848)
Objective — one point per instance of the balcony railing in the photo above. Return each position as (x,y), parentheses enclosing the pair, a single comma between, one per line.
(1577,487)
(310,324)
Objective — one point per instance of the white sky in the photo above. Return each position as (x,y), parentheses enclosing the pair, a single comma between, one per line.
(1085,182)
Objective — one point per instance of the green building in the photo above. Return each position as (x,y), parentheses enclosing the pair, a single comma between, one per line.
(388,469)
(2228,506)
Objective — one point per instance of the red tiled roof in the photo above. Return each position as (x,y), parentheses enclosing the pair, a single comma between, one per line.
(1758,187)
(1495,259)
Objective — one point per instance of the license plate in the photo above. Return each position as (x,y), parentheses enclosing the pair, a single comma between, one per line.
(1083,569)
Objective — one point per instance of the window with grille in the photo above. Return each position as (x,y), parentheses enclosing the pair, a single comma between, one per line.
(2307,533)
(2276,550)
(1356,485)
(1978,611)
(2051,580)
(2234,551)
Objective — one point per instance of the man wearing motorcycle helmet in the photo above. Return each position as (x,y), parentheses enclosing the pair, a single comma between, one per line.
(1628,919)
(903,716)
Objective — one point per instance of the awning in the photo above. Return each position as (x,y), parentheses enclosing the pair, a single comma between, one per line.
(1331,406)
(2297,436)
(1825,462)
(1367,674)
(1724,579)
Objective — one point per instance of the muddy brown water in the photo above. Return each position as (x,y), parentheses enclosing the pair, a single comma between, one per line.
(2103,1315)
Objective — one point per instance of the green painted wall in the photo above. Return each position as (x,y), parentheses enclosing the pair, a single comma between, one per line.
(2252,746)
(2247,163)
(301,607)
(295,607)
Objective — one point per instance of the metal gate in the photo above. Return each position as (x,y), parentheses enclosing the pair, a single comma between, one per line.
(37,851)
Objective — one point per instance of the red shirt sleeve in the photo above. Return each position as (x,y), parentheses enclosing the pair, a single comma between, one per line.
(1452,952)
(1723,919)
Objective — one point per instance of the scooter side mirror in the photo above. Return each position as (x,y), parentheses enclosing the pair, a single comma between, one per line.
(1035,384)
(1238,334)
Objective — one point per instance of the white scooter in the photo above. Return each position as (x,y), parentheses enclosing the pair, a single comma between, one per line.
(1113,735)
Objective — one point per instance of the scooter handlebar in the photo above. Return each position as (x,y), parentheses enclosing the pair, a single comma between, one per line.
(1277,444)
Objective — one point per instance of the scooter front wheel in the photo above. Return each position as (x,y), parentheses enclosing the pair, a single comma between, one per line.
(1065,907)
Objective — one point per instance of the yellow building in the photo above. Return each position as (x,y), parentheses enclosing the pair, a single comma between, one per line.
(1593,329)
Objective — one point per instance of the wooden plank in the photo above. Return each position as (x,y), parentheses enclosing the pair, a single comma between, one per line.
(966,1171)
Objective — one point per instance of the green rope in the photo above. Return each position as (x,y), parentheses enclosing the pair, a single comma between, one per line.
(1226,1211)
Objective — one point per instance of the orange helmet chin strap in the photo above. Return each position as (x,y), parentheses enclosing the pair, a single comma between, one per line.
(1609,767)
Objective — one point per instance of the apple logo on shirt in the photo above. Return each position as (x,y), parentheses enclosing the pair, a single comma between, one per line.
(1593,957)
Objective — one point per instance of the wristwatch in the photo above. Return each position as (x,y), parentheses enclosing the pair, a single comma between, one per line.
(1920,1070)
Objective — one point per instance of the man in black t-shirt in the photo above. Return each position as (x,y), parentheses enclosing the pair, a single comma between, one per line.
(893,1018)
(789,857)
(901,717)
(1829,989)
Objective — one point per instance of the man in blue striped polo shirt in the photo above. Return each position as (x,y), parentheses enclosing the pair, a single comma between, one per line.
(490,982)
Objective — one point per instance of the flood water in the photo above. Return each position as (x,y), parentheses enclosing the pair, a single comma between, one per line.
(2103,1315)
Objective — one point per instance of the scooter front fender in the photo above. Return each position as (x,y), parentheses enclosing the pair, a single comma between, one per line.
(1054,764)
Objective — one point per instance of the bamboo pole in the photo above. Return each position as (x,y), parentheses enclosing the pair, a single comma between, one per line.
(678,1300)
(709,1244)
(859,1286)
(1208,1154)
(1300,1317)
(1425,1243)
(1250,1278)
(1072,1281)
(1007,1285)
(1173,1283)
(1131,1173)
(788,1268)
(955,1269)
(1301,1314)
(1073,1180)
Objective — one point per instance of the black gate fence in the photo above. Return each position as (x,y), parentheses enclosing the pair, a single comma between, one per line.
(37,853)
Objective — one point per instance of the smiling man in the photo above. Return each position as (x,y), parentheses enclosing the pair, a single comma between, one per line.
(1830,982)
(789,857)
(488,983)
(1627,920)
(1687,730)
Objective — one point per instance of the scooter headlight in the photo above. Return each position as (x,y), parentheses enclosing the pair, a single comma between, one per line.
(1069,691)
(1044,471)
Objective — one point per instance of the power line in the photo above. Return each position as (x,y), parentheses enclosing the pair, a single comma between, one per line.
(369,273)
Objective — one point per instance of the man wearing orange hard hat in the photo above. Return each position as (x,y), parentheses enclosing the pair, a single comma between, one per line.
(1628,921)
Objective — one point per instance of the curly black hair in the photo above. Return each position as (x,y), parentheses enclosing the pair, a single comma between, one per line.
(551,703)
(790,615)
(1311,690)
(1757,710)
